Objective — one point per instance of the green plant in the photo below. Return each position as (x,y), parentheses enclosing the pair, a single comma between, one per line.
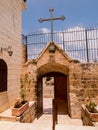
(91,104)
(17,104)
(25,81)
(48,78)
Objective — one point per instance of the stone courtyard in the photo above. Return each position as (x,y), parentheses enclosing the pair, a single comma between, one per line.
(45,122)
(62,99)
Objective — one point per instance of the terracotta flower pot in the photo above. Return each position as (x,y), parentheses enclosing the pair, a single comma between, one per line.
(20,110)
(92,116)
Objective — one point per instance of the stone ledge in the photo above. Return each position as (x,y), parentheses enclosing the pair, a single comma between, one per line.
(28,116)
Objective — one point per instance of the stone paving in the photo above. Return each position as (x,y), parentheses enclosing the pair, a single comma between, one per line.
(45,122)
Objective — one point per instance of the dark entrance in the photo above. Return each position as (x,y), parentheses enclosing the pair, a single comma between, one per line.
(3,76)
(60,92)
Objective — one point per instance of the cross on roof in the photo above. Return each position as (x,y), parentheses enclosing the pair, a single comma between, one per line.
(51,19)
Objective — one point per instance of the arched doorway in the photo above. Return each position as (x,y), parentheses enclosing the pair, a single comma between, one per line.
(60,75)
(3,76)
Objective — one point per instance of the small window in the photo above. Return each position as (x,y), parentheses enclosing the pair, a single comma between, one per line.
(3,76)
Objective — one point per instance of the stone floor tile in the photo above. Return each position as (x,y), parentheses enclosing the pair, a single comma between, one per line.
(6,125)
(72,127)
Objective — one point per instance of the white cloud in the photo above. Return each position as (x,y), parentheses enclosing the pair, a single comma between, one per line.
(45,30)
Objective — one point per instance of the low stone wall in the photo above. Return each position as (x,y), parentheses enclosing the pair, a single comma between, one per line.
(29,115)
(86,119)
(83,80)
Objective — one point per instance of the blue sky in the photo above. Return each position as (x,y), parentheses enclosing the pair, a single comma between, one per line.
(83,13)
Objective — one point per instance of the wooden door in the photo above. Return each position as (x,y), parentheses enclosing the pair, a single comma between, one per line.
(39,97)
(60,84)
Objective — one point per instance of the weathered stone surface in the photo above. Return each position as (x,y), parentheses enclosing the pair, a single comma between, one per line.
(10,35)
(85,79)
(29,115)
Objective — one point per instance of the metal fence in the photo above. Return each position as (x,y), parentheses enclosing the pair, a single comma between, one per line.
(24,39)
(79,43)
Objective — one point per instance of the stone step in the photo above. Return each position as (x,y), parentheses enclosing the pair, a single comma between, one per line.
(27,116)
(6,116)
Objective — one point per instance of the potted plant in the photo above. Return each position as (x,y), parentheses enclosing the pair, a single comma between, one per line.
(22,104)
(90,109)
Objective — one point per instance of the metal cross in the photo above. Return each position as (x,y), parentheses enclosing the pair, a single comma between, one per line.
(51,19)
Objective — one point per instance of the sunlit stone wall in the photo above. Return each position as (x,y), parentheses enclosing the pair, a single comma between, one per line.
(10,35)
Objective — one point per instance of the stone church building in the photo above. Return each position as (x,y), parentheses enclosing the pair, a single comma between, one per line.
(73,80)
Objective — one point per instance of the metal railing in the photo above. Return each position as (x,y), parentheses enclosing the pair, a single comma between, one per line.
(80,44)
(24,39)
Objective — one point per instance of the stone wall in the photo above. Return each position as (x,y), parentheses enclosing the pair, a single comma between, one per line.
(82,77)
(58,58)
(10,34)
(4,103)
(83,80)
(31,91)
(29,115)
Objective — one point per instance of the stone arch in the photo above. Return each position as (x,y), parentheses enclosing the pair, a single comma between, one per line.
(52,67)
(58,71)
(3,76)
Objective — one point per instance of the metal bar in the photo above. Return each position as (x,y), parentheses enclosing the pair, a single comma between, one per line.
(48,19)
(51,19)
(86,45)
(63,42)
(26,48)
